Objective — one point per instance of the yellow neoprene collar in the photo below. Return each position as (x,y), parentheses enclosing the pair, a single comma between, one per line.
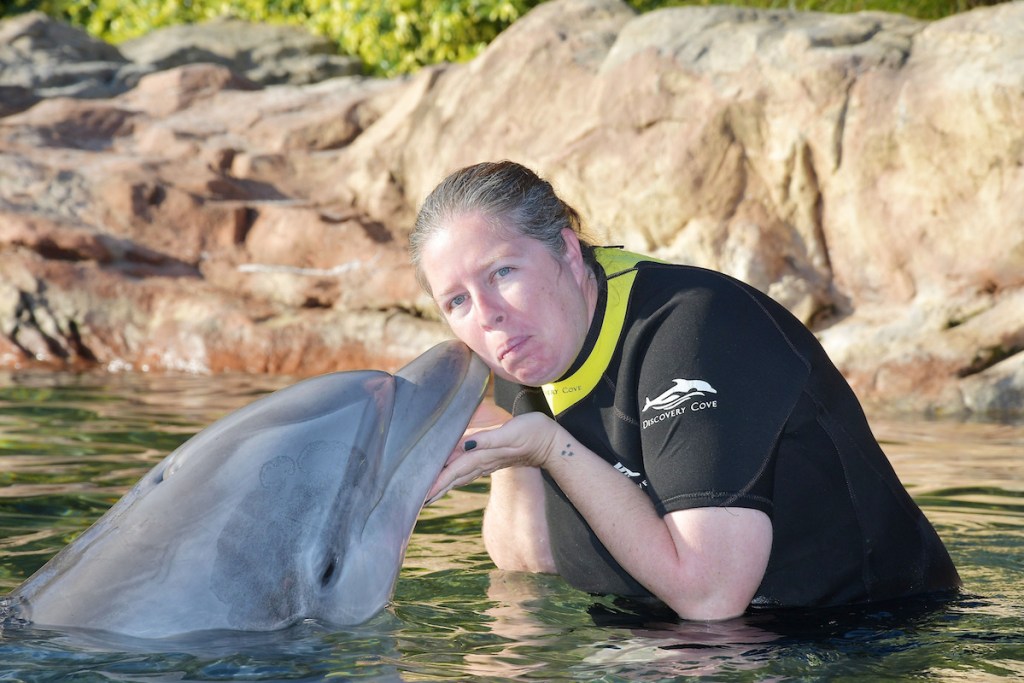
(619,267)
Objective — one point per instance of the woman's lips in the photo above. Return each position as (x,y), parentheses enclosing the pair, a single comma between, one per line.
(510,347)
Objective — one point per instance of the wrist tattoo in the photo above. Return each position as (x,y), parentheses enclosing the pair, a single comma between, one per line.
(567,451)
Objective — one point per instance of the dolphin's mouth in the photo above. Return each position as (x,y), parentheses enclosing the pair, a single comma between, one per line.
(435,398)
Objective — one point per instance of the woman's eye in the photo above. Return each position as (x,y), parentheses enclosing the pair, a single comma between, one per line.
(503,271)
(456,301)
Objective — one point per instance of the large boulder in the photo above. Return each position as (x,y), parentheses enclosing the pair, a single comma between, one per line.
(264,53)
(867,170)
(53,59)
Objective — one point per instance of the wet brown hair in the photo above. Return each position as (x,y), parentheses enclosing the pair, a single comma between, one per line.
(507,194)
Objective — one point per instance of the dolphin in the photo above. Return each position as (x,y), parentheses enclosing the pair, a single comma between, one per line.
(681,391)
(297,506)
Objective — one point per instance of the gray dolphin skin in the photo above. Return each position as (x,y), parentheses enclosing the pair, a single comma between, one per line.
(299,505)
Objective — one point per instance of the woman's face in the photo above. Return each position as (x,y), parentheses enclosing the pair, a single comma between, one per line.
(522,309)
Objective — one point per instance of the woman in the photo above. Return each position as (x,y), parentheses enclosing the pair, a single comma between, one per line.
(660,430)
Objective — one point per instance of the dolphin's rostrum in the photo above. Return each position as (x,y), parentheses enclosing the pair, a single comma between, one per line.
(299,505)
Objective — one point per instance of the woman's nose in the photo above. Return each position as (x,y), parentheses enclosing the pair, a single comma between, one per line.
(489,312)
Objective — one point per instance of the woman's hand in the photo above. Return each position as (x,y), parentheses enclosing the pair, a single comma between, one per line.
(515,528)
(494,441)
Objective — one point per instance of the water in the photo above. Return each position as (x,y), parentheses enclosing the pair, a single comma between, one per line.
(71,445)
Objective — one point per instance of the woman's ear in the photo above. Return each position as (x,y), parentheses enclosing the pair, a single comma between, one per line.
(574,254)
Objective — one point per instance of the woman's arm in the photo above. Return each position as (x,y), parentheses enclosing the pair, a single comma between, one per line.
(704,563)
(515,527)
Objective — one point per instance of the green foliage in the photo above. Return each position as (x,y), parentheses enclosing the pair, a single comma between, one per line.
(399,36)
(394,36)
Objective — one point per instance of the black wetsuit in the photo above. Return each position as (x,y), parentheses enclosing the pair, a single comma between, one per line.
(707,393)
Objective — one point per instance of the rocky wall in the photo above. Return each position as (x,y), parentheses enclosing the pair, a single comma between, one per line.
(867,170)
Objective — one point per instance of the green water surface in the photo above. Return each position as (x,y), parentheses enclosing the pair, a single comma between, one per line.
(71,445)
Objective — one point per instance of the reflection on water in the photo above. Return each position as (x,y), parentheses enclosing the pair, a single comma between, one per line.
(71,445)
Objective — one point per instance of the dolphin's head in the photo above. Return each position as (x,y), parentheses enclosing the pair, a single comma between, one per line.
(299,505)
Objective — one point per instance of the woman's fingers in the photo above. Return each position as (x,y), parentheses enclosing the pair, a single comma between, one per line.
(521,441)
(459,471)
(447,479)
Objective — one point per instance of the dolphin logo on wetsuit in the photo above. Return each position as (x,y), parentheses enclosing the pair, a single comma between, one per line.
(682,390)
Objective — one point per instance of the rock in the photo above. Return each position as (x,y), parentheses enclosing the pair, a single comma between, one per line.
(267,54)
(53,59)
(867,170)
(35,39)
(795,151)
(15,98)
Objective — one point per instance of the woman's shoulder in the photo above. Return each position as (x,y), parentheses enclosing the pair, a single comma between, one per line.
(712,309)
(659,281)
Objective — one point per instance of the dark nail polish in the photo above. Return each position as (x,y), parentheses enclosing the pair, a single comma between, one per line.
(470,445)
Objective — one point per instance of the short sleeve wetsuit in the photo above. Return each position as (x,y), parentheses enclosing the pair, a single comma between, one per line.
(706,392)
